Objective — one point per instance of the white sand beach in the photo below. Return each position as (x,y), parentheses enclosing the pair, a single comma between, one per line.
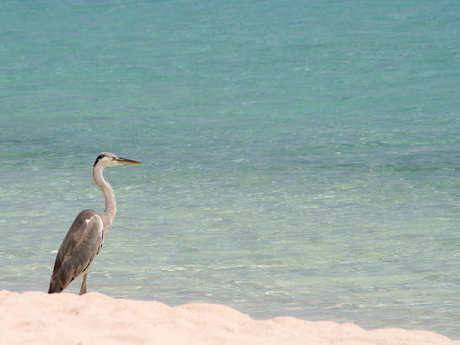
(39,318)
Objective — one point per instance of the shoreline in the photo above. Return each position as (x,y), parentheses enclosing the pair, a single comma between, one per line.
(36,317)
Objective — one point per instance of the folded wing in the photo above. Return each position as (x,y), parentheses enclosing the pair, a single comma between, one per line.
(77,252)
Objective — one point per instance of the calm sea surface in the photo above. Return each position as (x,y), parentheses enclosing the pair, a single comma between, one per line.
(299,158)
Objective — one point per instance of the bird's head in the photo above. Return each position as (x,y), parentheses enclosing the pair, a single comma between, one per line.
(106,159)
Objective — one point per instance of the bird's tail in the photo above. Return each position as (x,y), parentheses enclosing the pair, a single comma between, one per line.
(55,285)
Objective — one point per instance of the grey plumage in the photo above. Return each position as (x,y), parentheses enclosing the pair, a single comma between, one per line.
(87,233)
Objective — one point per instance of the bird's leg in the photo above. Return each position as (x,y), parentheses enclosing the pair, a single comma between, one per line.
(83,285)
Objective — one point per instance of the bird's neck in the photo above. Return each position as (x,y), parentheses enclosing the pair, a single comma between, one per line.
(109,195)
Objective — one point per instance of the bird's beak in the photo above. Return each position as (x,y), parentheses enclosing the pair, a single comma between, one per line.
(126,161)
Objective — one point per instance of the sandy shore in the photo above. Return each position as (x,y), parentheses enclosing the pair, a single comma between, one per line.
(38,318)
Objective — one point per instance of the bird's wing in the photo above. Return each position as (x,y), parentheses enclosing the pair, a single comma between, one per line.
(82,243)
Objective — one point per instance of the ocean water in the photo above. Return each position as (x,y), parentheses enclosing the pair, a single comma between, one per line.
(299,158)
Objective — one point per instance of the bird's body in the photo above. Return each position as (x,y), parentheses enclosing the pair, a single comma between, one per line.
(87,233)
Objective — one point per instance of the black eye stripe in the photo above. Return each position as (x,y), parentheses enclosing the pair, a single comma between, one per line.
(99,158)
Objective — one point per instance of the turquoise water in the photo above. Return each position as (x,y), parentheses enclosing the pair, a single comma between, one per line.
(298,158)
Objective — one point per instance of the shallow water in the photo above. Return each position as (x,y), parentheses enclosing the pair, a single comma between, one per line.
(297,159)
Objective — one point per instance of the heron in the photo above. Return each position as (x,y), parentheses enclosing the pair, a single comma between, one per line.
(87,233)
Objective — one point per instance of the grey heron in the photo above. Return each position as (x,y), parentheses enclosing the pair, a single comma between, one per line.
(87,233)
